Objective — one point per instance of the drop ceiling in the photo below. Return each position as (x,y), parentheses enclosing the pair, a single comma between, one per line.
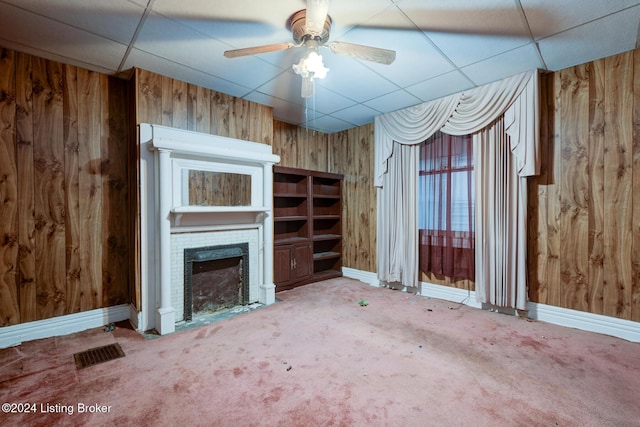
(443,46)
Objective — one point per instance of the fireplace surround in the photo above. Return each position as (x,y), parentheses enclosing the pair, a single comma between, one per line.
(171,160)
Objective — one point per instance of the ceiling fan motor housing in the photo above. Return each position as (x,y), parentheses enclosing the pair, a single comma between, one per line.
(299,30)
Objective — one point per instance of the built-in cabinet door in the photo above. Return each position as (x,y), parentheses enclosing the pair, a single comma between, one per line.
(302,261)
(292,263)
(282,270)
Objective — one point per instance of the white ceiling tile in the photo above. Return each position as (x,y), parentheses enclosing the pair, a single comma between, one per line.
(393,101)
(465,49)
(286,86)
(349,76)
(172,40)
(484,17)
(114,19)
(440,86)
(504,65)
(328,124)
(327,101)
(358,114)
(547,17)
(37,32)
(604,37)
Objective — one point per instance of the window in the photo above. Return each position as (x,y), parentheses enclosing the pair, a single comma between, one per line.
(446,206)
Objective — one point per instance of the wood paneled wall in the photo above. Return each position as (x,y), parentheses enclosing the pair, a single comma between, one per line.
(165,101)
(64,156)
(351,153)
(584,209)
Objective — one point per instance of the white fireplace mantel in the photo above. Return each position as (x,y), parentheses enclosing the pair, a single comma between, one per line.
(165,154)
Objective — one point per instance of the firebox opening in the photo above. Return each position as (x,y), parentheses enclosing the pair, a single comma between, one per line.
(216,278)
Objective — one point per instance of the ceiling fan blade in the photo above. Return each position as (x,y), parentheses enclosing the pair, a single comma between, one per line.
(368,53)
(234,53)
(316,15)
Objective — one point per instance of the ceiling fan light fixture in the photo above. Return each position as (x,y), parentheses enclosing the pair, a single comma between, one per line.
(310,67)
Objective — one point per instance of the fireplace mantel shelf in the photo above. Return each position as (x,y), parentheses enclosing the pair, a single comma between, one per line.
(218,209)
(218,214)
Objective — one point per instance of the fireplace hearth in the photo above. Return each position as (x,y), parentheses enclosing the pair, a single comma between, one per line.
(215,278)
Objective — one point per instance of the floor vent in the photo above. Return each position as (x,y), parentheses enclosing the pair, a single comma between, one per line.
(97,355)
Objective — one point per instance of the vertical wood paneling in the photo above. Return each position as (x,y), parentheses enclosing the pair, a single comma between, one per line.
(261,123)
(239,119)
(537,199)
(115,194)
(149,97)
(9,308)
(170,102)
(26,189)
(618,182)
(337,152)
(553,250)
(596,186)
(167,99)
(62,146)
(574,187)
(362,201)
(192,106)
(48,155)
(602,187)
(220,109)
(203,110)
(350,196)
(72,190)
(90,185)
(635,256)
(373,200)
(285,144)
(179,104)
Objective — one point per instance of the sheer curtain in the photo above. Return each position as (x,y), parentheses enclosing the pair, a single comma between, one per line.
(446,206)
(516,100)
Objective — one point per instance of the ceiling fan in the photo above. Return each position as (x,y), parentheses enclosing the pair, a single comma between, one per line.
(310,28)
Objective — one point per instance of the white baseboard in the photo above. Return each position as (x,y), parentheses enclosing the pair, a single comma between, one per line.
(605,325)
(447,293)
(363,276)
(63,325)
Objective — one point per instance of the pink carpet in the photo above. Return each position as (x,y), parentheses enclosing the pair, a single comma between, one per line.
(318,358)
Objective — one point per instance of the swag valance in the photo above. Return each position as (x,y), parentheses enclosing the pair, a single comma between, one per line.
(466,113)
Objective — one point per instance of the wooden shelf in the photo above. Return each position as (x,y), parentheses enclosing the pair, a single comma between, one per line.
(320,237)
(290,195)
(290,240)
(307,226)
(290,218)
(325,255)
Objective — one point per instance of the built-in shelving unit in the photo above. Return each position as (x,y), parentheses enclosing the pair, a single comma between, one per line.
(307,209)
